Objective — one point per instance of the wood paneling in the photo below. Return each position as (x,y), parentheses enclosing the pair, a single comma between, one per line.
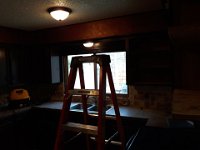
(14,36)
(115,27)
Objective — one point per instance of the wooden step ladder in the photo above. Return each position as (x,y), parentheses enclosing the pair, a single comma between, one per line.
(99,130)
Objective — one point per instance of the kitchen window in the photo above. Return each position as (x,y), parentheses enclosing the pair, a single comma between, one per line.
(91,73)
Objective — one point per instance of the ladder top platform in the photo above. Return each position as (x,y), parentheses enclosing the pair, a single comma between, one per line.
(84,92)
(100,59)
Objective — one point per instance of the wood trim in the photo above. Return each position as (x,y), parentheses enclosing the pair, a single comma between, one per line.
(14,36)
(115,27)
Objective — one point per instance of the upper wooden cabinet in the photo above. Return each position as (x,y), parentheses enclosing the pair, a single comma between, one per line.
(33,66)
(3,67)
(149,60)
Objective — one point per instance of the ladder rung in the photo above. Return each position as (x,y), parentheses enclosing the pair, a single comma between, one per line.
(84,92)
(108,117)
(112,142)
(78,127)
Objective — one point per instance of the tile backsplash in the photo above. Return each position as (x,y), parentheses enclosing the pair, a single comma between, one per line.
(151,97)
(143,97)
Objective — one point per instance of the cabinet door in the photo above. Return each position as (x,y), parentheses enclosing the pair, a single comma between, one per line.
(19,65)
(7,138)
(149,60)
(3,67)
(34,65)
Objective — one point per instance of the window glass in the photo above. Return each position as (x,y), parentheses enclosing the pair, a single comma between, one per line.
(88,73)
(118,68)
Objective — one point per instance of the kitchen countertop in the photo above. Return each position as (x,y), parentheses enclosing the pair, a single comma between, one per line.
(154,118)
(135,116)
(8,112)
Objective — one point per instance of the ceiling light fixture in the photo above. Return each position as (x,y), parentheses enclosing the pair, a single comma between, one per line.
(59,13)
(88,44)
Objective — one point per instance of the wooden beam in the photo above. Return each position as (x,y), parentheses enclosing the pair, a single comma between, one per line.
(115,27)
(14,36)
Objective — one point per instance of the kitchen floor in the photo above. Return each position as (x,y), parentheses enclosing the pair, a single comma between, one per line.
(167,139)
(148,138)
(161,139)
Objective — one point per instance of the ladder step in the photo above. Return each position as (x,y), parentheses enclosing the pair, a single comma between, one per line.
(108,117)
(78,127)
(84,92)
(106,141)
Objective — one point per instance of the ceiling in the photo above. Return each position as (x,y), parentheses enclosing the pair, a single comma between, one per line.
(32,15)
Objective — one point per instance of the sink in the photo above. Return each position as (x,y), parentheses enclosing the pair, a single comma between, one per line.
(95,108)
(92,108)
(79,107)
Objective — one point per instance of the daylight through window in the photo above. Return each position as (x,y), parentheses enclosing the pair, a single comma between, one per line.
(118,68)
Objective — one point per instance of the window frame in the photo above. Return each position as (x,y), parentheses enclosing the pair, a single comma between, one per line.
(95,72)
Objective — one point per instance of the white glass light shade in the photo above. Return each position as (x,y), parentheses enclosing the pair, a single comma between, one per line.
(59,13)
(88,44)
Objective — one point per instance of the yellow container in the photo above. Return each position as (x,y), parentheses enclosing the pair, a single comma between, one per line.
(19,94)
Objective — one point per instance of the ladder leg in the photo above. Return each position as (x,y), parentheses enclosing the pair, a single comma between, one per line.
(84,102)
(84,99)
(101,110)
(65,110)
(116,108)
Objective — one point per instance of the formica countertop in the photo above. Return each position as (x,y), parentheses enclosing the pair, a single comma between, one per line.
(9,112)
(154,118)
